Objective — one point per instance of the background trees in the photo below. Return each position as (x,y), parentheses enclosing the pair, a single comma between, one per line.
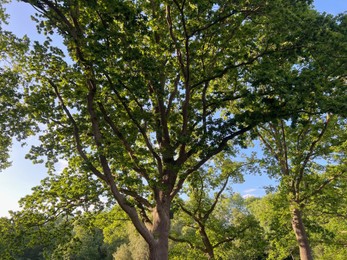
(306,156)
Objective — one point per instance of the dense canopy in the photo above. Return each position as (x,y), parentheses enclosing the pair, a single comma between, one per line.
(147,93)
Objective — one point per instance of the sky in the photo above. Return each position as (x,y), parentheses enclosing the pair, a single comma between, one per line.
(17,181)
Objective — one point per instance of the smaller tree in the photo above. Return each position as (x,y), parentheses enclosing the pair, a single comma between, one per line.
(213,221)
(29,235)
(306,156)
(50,218)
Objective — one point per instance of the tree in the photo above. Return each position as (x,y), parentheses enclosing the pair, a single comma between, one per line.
(212,221)
(324,219)
(87,242)
(229,231)
(8,245)
(52,221)
(136,247)
(327,217)
(151,91)
(306,157)
(274,218)
(31,236)
(306,152)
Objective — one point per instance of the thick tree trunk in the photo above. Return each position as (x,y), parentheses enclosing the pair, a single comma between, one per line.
(301,236)
(159,250)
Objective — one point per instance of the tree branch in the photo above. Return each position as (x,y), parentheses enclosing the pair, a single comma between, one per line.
(323,185)
(309,155)
(127,146)
(213,206)
(182,240)
(222,145)
(230,238)
(132,118)
(76,133)
(137,197)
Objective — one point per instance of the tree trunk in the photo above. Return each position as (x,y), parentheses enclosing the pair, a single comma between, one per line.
(301,236)
(208,246)
(159,250)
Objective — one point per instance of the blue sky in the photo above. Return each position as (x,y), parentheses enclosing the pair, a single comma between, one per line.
(17,181)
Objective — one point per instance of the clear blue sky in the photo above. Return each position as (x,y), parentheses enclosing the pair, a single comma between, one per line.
(17,181)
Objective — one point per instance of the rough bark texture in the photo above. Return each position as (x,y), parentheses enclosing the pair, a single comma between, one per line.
(159,249)
(301,236)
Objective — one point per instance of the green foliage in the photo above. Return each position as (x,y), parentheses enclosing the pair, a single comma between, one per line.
(308,157)
(67,194)
(272,213)
(231,229)
(29,235)
(335,247)
(212,222)
(139,68)
(13,118)
(135,249)
(324,222)
(151,91)
(86,243)
(8,245)
(57,220)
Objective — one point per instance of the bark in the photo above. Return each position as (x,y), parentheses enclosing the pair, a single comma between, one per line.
(301,236)
(159,249)
(208,246)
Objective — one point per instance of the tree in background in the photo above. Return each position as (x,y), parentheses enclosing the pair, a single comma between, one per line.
(327,219)
(212,221)
(25,237)
(136,247)
(306,157)
(227,232)
(306,153)
(153,90)
(271,211)
(325,222)
(91,235)
(9,247)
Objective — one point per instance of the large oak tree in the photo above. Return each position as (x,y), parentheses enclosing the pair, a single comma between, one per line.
(152,90)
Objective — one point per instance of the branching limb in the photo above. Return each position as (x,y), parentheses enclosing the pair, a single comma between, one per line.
(323,185)
(172,95)
(182,159)
(182,240)
(314,144)
(175,41)
(137,197)
(229,239)
(309,155)
(125,143)
(76,134)
(131,211)
(139,127)
(216,199)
